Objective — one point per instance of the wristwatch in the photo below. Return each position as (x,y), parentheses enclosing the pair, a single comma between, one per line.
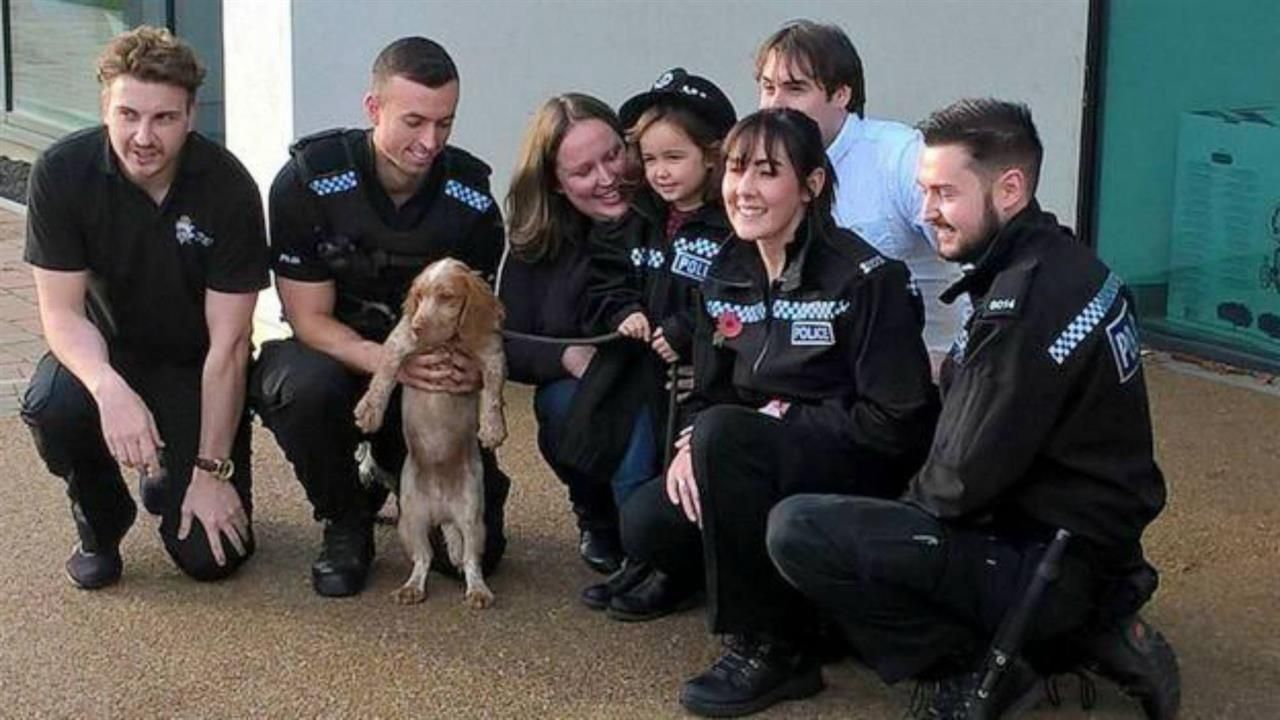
(220,469)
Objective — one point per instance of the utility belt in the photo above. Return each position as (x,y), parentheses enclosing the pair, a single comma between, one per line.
(373,320)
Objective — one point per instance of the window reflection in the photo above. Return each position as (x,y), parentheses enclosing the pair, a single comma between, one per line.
(54,49)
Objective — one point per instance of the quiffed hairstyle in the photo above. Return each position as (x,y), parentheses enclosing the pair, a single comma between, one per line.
(538,217)
(153,55)
(698,130)
(824,53)
(800,140)
(418,59)
(998,135)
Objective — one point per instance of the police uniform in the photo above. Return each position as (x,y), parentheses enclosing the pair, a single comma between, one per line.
(331,220)
(636,268)
(837,336)
(1044,425)
(150,267)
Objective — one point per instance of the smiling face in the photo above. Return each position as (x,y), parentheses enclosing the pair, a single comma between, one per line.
(765,198)
(958,202)
(674,165)
(590,163)
(147,124)
(783,83)
(411,122)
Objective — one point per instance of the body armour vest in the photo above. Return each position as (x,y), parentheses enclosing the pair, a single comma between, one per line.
(372,263)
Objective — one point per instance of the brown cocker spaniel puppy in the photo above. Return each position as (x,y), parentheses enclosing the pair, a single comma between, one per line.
(448,307)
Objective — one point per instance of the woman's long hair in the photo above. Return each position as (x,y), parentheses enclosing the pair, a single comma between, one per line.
(538,216)
(798,136)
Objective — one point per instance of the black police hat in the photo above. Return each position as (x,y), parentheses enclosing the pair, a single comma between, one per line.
(678,87)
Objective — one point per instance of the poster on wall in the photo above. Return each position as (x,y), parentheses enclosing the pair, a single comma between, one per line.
(1224,277)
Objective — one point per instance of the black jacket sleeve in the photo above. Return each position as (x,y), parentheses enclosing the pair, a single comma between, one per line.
(1001,407)
(894,404)
(712,370)
(522,289)
(482,251)
(613,289)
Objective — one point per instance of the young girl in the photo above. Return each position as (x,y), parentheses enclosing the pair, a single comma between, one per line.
(646,268)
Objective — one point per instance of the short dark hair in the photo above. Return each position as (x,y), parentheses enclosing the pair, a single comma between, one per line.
(800,139)
(423,61)
(824,53)
(998,135)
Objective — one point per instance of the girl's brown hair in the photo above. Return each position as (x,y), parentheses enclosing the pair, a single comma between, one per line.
(697,129)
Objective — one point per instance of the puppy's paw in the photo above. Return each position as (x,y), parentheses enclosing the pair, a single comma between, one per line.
(409,595)
(369,415)
(493,430)
(478,598)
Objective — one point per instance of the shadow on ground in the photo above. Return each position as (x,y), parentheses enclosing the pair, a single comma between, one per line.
(263,645)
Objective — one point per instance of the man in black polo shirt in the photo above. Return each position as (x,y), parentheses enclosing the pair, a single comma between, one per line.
(148,250)
(355,215)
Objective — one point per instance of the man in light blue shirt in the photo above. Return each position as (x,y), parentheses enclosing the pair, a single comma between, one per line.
(815,68)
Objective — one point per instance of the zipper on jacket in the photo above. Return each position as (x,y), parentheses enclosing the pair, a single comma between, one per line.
(768,328)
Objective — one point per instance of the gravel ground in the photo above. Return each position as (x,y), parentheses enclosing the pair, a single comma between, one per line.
(263,645)
(13,179)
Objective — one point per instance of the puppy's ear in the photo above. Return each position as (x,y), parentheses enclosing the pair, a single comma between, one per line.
(414,296)
(482,313)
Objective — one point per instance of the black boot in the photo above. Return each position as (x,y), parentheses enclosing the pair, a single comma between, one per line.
(95,561)
(752,674)
(598,596)
(1136,657)
(957,698)
(657,595)
(600,549)
(343,565)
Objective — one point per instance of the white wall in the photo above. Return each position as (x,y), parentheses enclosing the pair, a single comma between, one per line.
(513,54)
(257,57)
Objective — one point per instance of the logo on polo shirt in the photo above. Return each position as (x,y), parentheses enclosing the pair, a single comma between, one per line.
(812,332)
(187,233)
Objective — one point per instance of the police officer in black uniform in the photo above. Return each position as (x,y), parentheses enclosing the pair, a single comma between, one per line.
(149,251)
(1044,426)
(810,376)
(355,215)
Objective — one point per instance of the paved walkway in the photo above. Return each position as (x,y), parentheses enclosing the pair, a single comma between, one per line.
(21,344)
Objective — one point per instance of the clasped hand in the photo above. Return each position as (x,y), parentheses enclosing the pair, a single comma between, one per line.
(444,369)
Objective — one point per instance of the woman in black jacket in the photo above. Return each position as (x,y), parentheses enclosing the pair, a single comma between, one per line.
(569,175)
(810,376)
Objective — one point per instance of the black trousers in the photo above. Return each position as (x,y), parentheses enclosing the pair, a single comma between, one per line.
(64,421)
(307,399)
(915,596)
(746,462)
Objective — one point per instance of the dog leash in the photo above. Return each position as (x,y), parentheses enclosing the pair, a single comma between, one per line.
(547,339)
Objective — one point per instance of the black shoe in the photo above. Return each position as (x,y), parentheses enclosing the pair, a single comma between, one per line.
(95,561)
(631,573)
(1137,657)
(656,596)
(749,677)
(94,570)
(343,565)
(601,550)
(957,697)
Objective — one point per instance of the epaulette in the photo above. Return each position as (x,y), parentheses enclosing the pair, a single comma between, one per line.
(468,179)
(1008,291)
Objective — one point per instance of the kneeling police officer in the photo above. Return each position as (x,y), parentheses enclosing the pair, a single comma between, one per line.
(1044,427)
(355,215)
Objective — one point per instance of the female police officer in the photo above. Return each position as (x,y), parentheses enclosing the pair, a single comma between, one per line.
(810,376)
